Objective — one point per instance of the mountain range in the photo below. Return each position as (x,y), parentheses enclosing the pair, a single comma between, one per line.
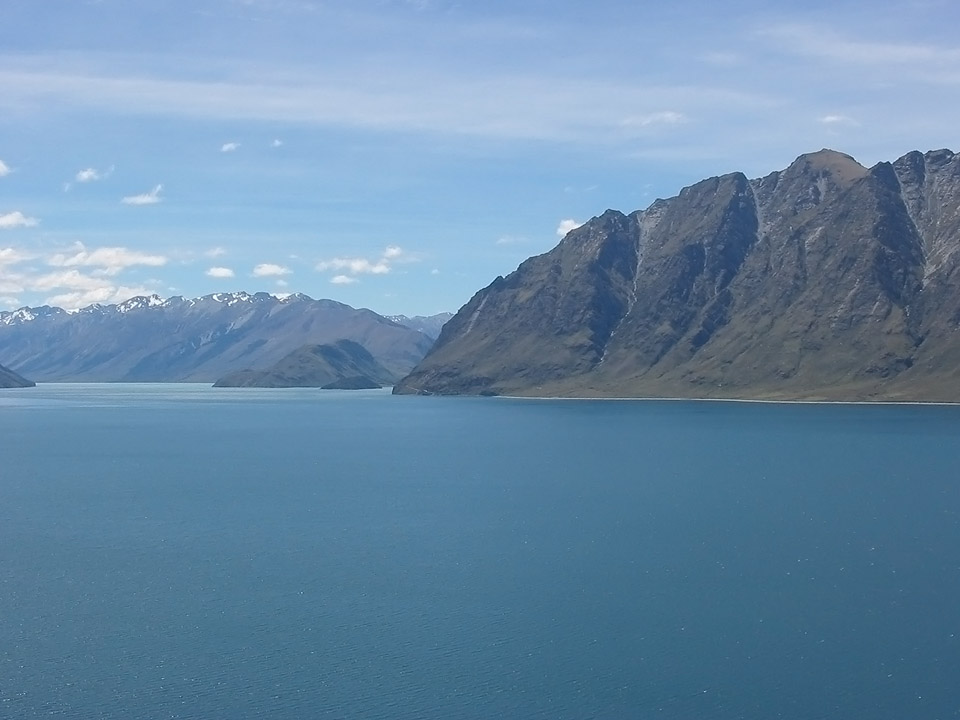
(149,339)
(825,280)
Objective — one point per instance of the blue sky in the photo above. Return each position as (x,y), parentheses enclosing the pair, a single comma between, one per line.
(400,154)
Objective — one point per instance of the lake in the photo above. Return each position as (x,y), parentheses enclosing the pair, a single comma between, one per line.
(179,551)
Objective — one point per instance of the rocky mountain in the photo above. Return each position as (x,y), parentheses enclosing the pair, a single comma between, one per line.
(10,379)
(824,280)
(429,325)
(148,339)
(316,366)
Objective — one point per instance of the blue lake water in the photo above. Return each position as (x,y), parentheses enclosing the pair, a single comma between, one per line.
(190,552)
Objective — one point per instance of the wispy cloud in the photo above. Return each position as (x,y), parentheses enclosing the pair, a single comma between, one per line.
(276,143)
(4,169)
(270,270)
(219,272)
(511,240)
(215,252)
(109,260)
(229,147)
(343,280)
(825,43)
(541,104)
(353,266)
(838,120)
(148,198)
(663,117)
(566,226)
(17,219)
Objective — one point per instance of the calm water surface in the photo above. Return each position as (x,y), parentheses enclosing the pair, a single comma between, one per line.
(189,552)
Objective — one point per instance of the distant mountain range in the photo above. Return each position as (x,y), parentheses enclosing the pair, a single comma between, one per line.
(429,325)
(826,280)
(149,339)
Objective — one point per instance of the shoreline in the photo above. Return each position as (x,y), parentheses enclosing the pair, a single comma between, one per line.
(762,401)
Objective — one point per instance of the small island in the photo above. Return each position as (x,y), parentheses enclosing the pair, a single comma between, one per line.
(342,365)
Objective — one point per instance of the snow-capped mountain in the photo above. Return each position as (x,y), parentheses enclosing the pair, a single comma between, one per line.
(429,325)
(148,338)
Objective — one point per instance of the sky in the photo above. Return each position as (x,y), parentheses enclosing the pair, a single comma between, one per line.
(400,154)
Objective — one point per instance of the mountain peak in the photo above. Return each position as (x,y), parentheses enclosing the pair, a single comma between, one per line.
(139,302)
(839,166)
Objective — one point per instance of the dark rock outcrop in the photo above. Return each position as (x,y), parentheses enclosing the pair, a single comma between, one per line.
(824,280)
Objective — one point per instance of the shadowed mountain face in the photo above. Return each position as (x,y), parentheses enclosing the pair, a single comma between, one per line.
(825,280)
(146,339)
(10,379)
(316,366)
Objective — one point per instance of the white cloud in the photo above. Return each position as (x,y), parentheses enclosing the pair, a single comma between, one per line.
(4,169)
(276,143)
(343,280)
(270,270)
(365,266)
(835,120)
(70,279)
(566,226)
(149,198)
(12,256)
(11,303)
(109,260)
(220,272)
(357,266)
(17,219)
(229,147)
(78,289)
(92,174)
(104,295)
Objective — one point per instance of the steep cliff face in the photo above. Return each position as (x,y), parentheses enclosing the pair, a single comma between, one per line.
(826,279)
